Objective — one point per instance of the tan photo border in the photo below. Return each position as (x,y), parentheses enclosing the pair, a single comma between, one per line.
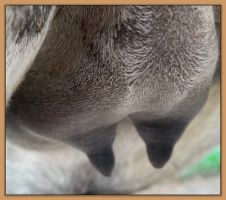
(3,3)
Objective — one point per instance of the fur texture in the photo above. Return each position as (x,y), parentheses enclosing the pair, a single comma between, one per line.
(99,64)
(26,28)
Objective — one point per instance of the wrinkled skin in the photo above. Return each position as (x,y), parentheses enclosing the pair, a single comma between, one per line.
(99,64)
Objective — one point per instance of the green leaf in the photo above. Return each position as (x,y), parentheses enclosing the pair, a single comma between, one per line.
(207,166)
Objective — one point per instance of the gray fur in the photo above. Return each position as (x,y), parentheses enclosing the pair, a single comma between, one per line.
(99,64)
(26,28)
(28,21)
